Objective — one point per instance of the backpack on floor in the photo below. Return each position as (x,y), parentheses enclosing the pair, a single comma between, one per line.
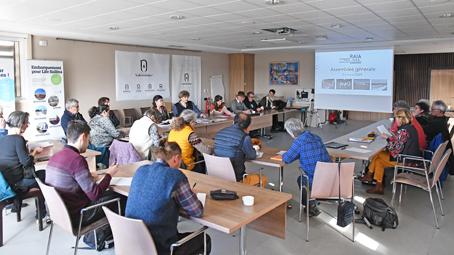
(377,212)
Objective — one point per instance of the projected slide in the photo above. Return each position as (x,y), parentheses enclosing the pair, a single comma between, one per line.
(359,80)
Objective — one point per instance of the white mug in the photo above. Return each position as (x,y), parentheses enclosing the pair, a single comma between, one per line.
(248,200)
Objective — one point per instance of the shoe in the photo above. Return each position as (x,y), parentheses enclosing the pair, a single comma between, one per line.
(313,211)
(377,189)
(367,178)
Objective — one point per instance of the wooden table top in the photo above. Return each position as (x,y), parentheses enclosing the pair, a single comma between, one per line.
(266,160)
(58,146)
(225,216)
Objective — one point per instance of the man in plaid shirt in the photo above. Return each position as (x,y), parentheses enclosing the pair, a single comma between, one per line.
(309,149)
(159,193)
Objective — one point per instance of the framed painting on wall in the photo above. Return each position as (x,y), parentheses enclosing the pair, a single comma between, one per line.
(284,73)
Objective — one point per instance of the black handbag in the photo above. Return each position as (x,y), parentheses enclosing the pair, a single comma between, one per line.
(345,209)
(223,194)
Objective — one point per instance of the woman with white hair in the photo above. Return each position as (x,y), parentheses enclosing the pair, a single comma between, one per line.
(191,145)
(309,149)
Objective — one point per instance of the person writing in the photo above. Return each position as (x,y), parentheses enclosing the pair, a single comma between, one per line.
(219,108)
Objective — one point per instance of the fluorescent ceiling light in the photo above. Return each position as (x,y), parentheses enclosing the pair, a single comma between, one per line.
(447,15)
(6,53)
(6,43)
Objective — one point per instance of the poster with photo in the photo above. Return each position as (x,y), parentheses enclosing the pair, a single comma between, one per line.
(46,83)
(7,93)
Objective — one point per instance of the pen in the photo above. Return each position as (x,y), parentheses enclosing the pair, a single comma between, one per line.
(193,186)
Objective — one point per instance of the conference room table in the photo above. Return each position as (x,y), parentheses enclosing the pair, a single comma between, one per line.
(266,160)
(360,150)
(267,215)
(42,158)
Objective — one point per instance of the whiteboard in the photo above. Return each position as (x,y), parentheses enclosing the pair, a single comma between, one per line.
(217,86)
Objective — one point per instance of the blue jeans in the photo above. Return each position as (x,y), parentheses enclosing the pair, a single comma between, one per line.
(302,181)
(28,183)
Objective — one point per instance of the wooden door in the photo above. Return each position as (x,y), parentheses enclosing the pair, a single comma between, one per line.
(442,86)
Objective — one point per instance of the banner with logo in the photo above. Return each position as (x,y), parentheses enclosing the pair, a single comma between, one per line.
(141,76)
(47,90)
(7,93)
(186,73)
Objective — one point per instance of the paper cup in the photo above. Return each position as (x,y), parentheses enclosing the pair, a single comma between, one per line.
(248,200)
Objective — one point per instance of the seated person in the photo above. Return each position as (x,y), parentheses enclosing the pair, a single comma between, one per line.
(219,108)
(102,131)
(112,117)
(421,112)
(251,103)
(16,161)
(404,141)
(401,104)
(3,130)
(67,171)
(235,143)
(268,103)
(237,104)
(160,109)
(159,193)
(191,145)
(309,149)
(71,113)
(144,135)
(438,122)
(185,104)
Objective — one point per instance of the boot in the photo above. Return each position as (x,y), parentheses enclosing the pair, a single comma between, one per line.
(378,189)
(367,178)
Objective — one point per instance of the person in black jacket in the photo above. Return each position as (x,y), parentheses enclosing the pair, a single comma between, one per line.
(106,101)
(251,103)
(438,122)
(421,112)
(160,109)
(16,161)
(71,113)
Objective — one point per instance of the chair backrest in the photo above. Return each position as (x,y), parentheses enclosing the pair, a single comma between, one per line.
(437,156)
(57,208)
(325,184)
(132,114)
(220,167)
(131,236)
(118,114)
(144,109)
(440,167)
(123,153)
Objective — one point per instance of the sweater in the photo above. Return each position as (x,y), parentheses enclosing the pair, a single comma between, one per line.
(102,131)
(67,171)
(151,199)
(232,142)
(144,135)
(14,158)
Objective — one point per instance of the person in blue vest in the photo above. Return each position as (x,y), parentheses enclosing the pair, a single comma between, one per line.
(235,143)
(159,193)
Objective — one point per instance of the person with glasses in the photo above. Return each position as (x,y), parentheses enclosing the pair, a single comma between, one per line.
(71,113)
(404,141)
(438,122)
(251,103)
(17,161)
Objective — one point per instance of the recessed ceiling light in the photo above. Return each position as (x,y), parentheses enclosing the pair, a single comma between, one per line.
(114,28)
(177,17)
(447,15)
(256,32)
(321,37)
(369,38)
(337,26)
(273,2)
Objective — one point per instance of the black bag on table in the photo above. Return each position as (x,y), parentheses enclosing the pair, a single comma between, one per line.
(380,214)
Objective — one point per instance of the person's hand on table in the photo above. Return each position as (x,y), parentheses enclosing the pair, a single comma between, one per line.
(112,170)
(36,151)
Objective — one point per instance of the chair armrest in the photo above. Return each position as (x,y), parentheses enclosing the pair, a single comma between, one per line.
(188,237)
(83,210)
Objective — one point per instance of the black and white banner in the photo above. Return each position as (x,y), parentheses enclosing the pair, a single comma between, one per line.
(186,73)
(140,75)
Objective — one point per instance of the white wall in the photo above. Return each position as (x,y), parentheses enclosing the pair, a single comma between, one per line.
(90,69)
(306,72)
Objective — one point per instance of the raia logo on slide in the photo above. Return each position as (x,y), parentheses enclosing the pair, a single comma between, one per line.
(351,59)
